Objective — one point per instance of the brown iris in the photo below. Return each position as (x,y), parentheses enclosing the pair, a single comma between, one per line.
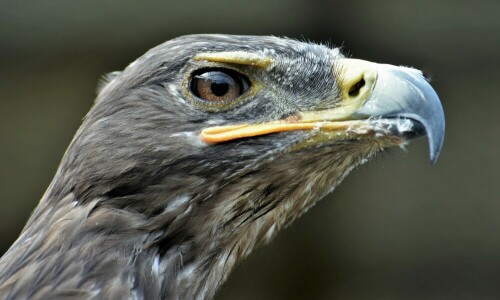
(218,85)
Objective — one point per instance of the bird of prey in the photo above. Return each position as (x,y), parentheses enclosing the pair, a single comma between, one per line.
(200,150)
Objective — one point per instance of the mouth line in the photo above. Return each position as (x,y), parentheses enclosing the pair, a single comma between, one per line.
(397,126)
(386,129)
(377,127)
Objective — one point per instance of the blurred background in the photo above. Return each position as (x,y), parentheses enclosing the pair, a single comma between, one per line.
(397,228)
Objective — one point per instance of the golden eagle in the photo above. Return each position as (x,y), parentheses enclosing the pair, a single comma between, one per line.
(201,149)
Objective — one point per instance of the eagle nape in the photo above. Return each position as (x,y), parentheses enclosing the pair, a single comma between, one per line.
(200,150)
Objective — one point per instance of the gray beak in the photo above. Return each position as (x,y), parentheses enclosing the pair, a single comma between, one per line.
(402,92)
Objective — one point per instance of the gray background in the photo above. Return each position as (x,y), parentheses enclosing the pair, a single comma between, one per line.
(397,228)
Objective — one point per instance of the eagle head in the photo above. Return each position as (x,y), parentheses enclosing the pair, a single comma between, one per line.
(200,150)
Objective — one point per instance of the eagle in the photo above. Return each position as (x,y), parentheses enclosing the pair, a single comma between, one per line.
(201,150)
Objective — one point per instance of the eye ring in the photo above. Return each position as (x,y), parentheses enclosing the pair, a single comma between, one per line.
(218,84)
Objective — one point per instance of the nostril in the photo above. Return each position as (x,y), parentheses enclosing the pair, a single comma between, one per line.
(354,90)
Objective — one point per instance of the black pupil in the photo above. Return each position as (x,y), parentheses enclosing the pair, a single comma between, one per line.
(220,82)
(219,88)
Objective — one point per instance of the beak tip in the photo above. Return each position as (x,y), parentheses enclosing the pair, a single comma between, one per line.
(434,154)
(435,146)
(436,133)
(435,136)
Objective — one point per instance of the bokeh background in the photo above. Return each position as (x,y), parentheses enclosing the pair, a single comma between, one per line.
(397,228)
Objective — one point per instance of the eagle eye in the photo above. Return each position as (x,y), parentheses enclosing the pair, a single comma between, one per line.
(217,85)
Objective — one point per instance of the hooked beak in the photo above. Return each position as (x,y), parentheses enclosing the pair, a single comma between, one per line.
(402,92)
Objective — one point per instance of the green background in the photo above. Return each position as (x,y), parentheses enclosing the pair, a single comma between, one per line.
(397,228)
